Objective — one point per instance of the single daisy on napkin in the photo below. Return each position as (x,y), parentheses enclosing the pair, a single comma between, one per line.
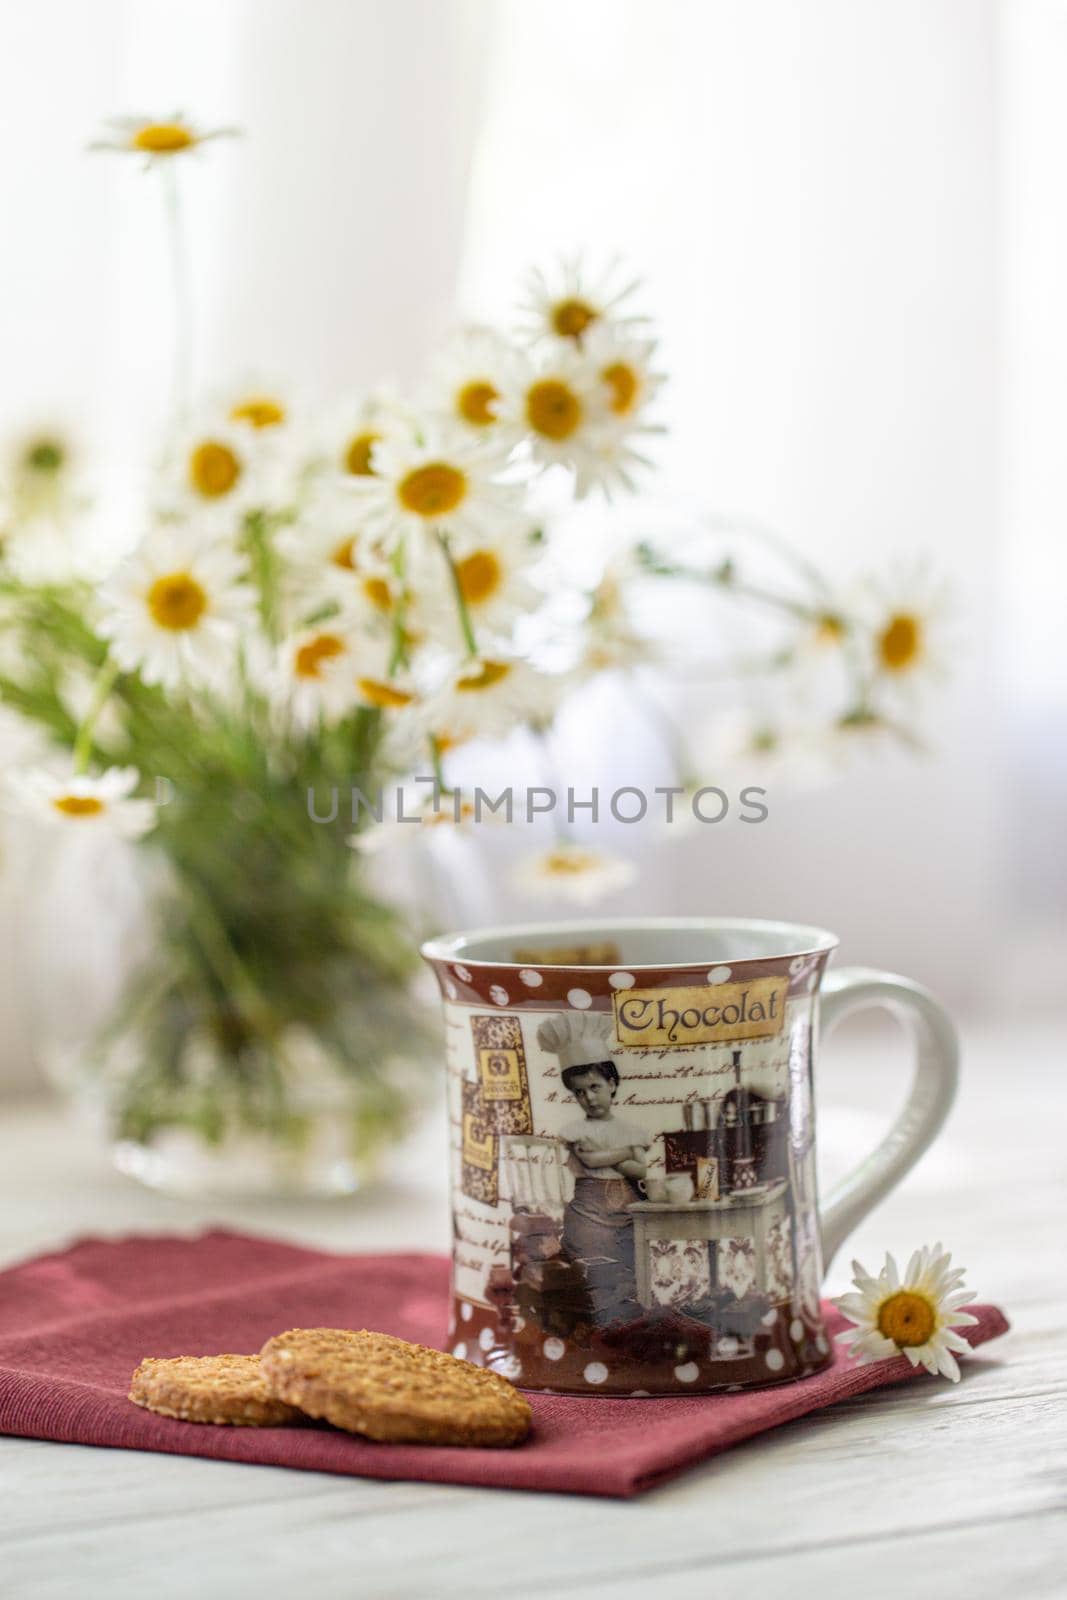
(915,1316)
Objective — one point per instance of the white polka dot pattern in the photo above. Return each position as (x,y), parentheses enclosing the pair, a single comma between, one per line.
(554,1349)
(580,999)
(595,1372)
(498,996)
(532,980)
(622,980)
(719,975)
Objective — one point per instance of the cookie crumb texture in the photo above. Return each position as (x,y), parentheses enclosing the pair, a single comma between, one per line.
(219,1389)
(392,1391)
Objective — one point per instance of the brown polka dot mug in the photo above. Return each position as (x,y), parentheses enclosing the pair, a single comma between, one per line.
(632,1144)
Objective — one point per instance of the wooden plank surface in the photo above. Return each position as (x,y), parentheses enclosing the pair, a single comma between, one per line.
(933,1490)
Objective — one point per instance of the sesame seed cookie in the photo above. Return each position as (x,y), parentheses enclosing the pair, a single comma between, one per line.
(387,1389)
(216,1389)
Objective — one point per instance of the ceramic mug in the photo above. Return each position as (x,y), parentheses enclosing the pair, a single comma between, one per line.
(592,1066)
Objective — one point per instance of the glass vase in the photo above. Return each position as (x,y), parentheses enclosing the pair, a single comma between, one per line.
(203,1049)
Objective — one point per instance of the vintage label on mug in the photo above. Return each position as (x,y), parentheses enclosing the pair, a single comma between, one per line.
(658,1019)
(502,1075)
(480,1152)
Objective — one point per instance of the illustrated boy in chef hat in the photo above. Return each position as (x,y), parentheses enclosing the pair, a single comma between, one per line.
(607,1155)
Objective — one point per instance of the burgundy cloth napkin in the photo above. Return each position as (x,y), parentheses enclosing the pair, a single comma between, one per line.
(74,1325)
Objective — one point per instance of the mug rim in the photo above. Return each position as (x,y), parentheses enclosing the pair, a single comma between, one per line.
(453,946)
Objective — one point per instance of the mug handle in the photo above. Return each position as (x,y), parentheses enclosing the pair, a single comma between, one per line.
(932,1091)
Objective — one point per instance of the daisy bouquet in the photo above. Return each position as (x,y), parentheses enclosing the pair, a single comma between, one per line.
(325,600)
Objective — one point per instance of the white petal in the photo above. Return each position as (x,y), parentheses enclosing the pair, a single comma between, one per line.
(949,1366)
(953,1341)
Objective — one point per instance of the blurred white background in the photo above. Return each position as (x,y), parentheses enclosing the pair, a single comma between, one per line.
(851,216)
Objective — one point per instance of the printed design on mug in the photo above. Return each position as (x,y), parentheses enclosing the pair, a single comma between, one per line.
(632,1211)
(480,1172)
(502,1069)
(497,1103)
(650,1019)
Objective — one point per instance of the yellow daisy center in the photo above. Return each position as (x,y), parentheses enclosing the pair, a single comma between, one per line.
(78,805)
(45,456)
(259,411)
(345,555)
(358,454)
(433,490)
(480,576)
(176,602)
(562,863)
(830,628)
(163,138)
(571,317)
(475,403)
(907,1317)
(553,409)
(489,673)
(378,593)
(213,469)
(310,657)
(900,643)
(385,695)
(624,384)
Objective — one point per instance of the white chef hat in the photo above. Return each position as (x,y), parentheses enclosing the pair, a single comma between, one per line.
(577,1039)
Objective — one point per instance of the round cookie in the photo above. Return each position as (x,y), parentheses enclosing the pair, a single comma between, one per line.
(209,1389)
(387,1389)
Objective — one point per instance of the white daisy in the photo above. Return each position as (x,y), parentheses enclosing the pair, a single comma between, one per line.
(157,138)
(748,746)
(624,366)
(915,1316)
(488,697)
(215,467)
(903,621)
(568,301)
(175,608)
(315,673)
(447,811)
(349,436)
(377,679)
(328,558)
(471,377)
(446,483)
(573,872)
(611,639)
(40,475)
(560,409)
(104,802)
(265,408)
(492,580)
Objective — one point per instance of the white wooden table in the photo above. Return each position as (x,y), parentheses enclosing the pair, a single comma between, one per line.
(931,1490)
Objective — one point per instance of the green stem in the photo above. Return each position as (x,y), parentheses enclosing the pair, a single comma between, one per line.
(438,767)
(83,739)
(399,654)
(461,605)
(215,943)
(262,559)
